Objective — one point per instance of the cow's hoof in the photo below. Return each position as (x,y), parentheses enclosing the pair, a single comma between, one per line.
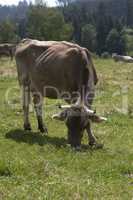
(43,130)
(27,127)
(96,145)
(76,148)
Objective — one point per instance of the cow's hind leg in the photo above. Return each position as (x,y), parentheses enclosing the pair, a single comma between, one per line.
(26,102)
(37,99)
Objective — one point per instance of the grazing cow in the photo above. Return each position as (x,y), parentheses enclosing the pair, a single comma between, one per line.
(7,50)
(119,58)
(55,69)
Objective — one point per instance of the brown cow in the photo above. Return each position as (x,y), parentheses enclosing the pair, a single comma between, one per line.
(55,69)
(7,49)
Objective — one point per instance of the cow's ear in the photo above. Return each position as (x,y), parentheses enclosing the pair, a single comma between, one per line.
(97,119)
(60,116)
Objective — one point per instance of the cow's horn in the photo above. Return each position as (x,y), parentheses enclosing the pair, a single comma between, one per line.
(103,119)
(98,119)
(55,116)
(59,116)
(64,106)
(89,111)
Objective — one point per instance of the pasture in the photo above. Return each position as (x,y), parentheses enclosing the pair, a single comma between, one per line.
(37,167)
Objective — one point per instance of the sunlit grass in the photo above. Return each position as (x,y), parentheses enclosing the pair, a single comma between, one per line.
(39,167)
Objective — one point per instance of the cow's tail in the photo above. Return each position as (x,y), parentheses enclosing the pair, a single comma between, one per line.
(89,78)
(22,70)
(91,67)
(24,83)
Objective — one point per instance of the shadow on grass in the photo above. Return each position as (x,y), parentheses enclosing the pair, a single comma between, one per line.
(35,138)
(31,138)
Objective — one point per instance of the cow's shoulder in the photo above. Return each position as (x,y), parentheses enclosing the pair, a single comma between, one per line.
(89,53)
(23,46)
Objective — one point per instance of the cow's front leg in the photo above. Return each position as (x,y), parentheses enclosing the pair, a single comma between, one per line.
(26,101)
(37,99)
(91,136)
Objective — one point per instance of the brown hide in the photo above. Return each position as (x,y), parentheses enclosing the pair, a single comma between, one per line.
(65,66)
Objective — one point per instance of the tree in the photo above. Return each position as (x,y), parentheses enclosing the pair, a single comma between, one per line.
(116,42)
(129,40)
(48,24)
(40,3)
(88,37)
(102,29)
(8,31)
(112,41)
(22,28)
(75,14)
(35,20)
(118,25)
(64,3)
(122,43)
(130,13)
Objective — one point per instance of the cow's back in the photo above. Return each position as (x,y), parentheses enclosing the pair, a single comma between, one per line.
(56,64)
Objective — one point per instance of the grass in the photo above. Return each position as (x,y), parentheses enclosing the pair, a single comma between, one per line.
(36,167)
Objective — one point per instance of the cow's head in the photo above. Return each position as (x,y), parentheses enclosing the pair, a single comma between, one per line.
(76,119)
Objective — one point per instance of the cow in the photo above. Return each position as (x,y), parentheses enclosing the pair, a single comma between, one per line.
(50,68)
(7,49)
(120,58)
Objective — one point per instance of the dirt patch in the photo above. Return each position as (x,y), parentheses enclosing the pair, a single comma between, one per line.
(129,175)
(2,195)
(7,68)
(8,72)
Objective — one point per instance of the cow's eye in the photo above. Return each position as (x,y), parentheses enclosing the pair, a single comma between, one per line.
(64,115)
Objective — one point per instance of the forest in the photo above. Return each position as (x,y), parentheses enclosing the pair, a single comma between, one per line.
(102,26)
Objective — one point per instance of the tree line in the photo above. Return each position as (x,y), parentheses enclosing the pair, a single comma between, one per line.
(93,26)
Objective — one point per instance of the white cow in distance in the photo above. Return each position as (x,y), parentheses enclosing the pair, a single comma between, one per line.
(120,58)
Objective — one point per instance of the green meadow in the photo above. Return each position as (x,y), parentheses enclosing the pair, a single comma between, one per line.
(38,167)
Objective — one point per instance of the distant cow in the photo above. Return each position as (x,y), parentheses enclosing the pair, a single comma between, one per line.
(52,68)
(7,49)
(119,58)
